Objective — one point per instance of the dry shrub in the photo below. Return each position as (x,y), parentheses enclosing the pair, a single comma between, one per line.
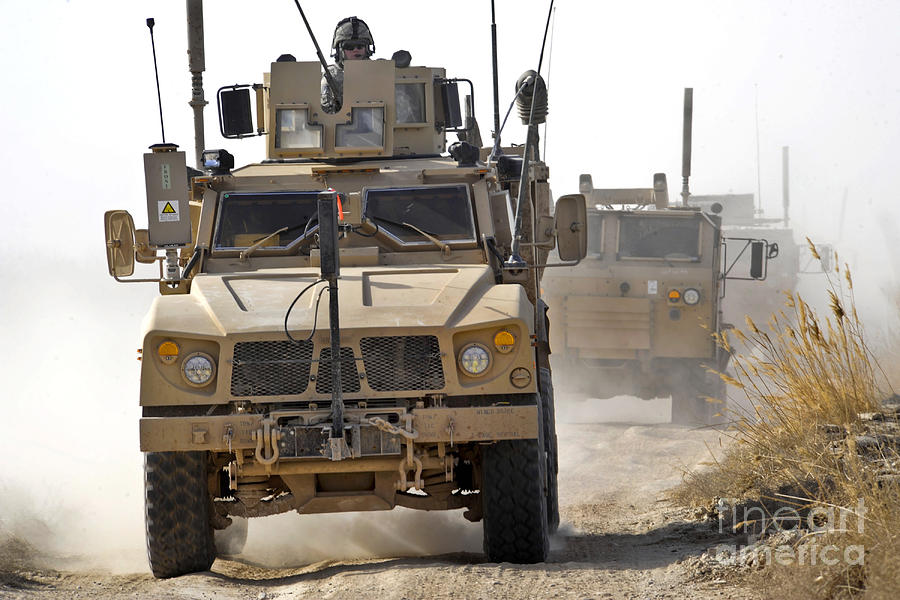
(806,380)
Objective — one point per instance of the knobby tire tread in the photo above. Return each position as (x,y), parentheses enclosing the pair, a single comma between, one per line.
(177,518)
(515,509)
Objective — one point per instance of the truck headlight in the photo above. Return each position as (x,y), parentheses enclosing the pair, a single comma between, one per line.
(691,296)
(198,369)
(474,359)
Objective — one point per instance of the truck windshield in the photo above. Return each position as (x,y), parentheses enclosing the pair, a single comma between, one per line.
(246,218)
(655,237)
(444,212)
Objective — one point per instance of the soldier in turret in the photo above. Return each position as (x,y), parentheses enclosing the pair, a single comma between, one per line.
(352,41)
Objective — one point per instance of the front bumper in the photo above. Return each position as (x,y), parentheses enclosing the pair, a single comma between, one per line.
(245,431)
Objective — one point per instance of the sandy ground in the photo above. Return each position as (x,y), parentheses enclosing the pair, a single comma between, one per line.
(619,538)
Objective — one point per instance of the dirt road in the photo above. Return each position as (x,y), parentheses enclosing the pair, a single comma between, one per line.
(617,538)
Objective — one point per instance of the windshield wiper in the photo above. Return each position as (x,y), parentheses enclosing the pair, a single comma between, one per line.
(445,247)
(245,254)
(250,250)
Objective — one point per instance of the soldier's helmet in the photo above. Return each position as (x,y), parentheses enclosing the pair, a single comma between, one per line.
(352,30)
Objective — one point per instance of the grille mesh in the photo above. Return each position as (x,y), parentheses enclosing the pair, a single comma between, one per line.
(402,363)
(349,373)
(270,368)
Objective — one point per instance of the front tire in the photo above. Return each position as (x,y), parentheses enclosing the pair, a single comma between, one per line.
(514,502)
(177,513)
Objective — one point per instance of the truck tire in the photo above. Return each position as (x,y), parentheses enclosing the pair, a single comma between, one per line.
(514,502)
(551,449)
(688,408)
(177,505)
(231,540)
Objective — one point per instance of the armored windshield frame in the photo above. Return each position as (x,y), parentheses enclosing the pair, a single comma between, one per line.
(696,218)
(265,228)
(466,242)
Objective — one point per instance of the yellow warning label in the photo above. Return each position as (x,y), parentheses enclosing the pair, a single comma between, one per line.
(168,211)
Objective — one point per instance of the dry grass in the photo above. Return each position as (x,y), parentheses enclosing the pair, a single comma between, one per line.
(806,379)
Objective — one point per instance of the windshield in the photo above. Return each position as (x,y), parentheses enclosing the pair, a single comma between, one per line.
(654,237)
(246,218)
(444,212)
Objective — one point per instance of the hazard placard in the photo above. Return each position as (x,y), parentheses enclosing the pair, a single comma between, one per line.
(168,210)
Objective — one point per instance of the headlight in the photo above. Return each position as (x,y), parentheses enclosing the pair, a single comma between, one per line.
(198,369)
(691,296)
(474,359)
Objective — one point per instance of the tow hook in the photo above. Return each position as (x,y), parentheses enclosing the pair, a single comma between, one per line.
(266,439)
(410,461)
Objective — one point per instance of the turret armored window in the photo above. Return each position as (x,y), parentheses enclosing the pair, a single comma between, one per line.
(293,130)
(365,130)
(409,103)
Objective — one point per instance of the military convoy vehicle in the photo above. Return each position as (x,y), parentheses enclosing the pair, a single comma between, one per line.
(638,316)
(742,219)
(424,383)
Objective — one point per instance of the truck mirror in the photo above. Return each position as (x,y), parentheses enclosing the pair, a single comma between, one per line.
(756,259)
(119,228)
(450,105)
(571,227)
(235,119)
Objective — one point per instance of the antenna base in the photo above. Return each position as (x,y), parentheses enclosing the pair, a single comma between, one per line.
(163,147)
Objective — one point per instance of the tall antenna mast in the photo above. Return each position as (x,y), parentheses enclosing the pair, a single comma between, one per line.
(150,24)
(496,135)
(686,145)
(196,65)
(758,179)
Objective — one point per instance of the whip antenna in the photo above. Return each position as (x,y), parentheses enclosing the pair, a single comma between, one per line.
(538,100)
(496,88)
(150,24)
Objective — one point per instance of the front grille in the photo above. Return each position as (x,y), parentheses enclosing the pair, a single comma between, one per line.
(349,373)
(402,363)
(270,368)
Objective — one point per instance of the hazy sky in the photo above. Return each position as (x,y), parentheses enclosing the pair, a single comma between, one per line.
(79,109)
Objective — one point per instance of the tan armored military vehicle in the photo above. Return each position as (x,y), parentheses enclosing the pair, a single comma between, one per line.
(637,316)
(742,219)
(426,386)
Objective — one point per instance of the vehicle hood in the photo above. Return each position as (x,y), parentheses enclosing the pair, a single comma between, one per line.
(375,297)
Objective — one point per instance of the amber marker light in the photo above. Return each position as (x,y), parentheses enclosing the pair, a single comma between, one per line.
(674,296)
(504,342)
(168,352)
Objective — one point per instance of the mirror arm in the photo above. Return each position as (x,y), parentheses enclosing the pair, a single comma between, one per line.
(159,259)
(544,266)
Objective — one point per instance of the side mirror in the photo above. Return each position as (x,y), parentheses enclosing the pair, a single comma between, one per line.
(119,228)
(756,259)
(571,227)
(450,105)
(235,113)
